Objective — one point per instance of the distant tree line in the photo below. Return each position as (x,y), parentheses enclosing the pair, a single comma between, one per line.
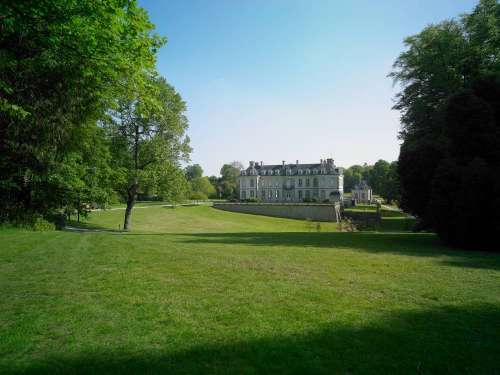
(223,187)
(449,161)
(84,115)
(382,178)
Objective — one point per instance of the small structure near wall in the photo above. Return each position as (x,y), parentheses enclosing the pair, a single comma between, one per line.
(362,193)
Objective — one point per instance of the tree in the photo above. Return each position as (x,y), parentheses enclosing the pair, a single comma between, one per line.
(390,189)
(450,74)
(228,183)
(148,133)
(193,172)
(202,185)
(61,65)
(378,175)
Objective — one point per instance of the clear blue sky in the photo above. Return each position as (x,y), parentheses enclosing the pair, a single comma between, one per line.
(272,80)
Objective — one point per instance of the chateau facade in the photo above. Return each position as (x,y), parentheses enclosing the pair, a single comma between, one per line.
(297,182)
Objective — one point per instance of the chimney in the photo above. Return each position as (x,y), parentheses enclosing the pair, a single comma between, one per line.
(321,161)
(283,163)
(297,162)
(251,164)
(261,163)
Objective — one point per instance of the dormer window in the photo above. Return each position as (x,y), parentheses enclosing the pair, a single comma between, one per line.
(264,172)
(308,171)
(271,172)
(300,171)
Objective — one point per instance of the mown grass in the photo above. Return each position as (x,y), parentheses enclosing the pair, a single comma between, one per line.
(199,291)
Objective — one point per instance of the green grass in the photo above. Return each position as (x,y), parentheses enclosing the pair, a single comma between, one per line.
(199,291)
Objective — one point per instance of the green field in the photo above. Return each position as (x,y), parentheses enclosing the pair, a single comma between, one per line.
(194,290)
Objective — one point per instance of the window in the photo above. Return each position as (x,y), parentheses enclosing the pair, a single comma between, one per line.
(244,195)
(277,194)
(300,194)
(263,194)
(315,193)
(270,194)
(308,194)
(308,183)
(315,181)
(300,182)
(322,194)
(252,195)
(300,171)
(252,183)
(308,171)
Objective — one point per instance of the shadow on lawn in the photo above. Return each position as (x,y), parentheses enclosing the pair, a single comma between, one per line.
(449,340)
(412,244)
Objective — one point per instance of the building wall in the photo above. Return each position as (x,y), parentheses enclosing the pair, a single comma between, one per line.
(317,212)
(290,188)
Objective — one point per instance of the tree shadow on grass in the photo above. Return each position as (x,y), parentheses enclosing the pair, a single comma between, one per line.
(409,244)
(449,340)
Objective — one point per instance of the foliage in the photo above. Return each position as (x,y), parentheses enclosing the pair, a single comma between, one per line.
(61,64)
(193,171)
(198,196)
(226,186)
(42,225)
(449,113)
(147,129)
(203,185)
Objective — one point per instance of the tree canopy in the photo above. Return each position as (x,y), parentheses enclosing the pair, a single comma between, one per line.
(66,67)
(449,113)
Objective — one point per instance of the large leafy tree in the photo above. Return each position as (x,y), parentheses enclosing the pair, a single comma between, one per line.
(61,63)
(448,99)
(147,128)
(193,172)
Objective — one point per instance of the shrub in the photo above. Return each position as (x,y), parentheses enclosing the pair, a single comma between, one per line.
(42,225)
(251,200)
(306,200)
(198,196)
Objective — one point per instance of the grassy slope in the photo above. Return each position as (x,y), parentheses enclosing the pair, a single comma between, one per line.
(196,290)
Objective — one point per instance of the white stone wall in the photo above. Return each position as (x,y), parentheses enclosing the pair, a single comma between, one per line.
(272,188)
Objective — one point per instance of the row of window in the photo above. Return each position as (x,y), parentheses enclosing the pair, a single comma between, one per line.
(288,172)
(289,183)
(275,194)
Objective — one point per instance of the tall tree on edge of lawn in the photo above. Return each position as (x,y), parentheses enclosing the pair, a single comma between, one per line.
(147,129)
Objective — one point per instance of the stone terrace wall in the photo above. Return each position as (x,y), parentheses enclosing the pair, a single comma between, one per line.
(314,211)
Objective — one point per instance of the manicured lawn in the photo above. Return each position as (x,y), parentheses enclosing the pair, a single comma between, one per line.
(198,291)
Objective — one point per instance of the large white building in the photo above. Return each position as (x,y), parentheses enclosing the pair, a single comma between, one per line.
(292,182)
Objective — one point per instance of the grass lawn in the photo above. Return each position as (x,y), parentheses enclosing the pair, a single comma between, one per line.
(195,290)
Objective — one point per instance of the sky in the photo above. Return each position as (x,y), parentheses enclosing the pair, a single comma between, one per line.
(273,80)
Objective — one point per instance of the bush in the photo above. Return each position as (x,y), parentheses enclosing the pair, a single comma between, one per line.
(251,200)
(42,225)
(198,196)
(306,200)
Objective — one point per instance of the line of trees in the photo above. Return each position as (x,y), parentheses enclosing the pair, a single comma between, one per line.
(382,178)
(223,187)
(84,115)
(450,114)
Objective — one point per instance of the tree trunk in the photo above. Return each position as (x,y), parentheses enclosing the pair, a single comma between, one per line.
(132,197)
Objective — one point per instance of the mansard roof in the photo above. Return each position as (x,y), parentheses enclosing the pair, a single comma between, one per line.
(294,168)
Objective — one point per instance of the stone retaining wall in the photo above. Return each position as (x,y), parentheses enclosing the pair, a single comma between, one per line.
(313,211)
